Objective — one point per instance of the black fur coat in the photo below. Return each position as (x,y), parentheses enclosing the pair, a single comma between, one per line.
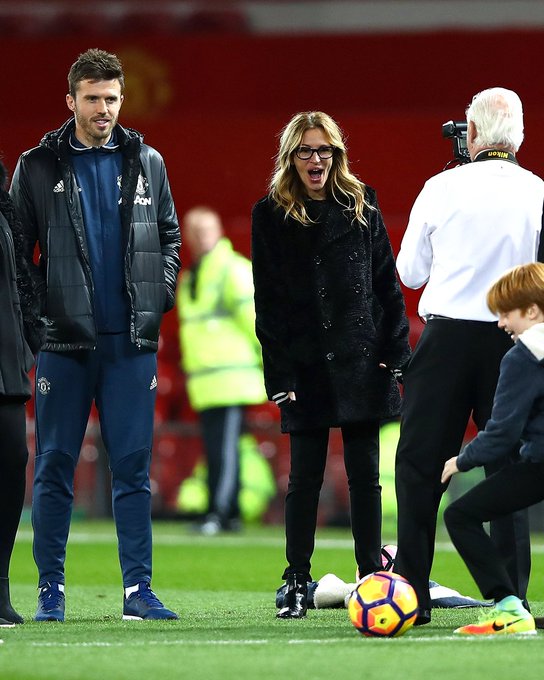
(329,310)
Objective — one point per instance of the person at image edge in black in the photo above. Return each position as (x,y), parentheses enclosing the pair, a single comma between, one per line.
(21,335)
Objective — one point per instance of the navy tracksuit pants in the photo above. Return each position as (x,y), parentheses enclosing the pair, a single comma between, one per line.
(121,379)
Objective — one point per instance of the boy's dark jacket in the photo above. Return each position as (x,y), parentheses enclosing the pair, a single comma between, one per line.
(46,195)
(518,408)
(361,313)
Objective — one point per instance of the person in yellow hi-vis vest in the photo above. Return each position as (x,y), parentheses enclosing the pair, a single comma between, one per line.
(220,356)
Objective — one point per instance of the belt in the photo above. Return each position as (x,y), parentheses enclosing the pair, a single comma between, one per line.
(431,317)
(438,316)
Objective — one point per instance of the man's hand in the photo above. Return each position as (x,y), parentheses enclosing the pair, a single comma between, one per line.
(450,469)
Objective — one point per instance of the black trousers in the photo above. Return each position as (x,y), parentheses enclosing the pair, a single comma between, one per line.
(221,429)
(308,460)
(13,460)
(452,376)
(513,488)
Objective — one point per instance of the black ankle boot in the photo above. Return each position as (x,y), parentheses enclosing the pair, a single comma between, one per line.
(295,603)
(8,615)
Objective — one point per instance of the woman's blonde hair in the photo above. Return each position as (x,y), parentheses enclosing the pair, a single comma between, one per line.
(286,187)
(518,288)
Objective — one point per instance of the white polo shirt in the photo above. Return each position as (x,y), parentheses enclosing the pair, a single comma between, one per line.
(467,227)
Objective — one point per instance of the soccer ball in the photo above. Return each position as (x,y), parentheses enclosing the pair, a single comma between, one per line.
(389,553)
(383,604)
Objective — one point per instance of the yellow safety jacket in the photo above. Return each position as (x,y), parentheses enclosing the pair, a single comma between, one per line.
(221,355)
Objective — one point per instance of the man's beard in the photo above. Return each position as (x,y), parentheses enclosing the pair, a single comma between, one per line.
(93,133)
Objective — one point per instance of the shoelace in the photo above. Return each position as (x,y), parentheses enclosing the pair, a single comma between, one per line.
(493,614)
(148,596)
(51,598)
(487,615)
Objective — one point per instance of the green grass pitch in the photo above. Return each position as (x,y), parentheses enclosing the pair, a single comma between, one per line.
(224,588)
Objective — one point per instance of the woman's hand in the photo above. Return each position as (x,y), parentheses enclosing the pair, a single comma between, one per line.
(450,469)
(395,372)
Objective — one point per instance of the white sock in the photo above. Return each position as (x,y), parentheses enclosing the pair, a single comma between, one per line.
(59,585)
(131,589)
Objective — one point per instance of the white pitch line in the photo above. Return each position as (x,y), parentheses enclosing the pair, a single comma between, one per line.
(409,639)
(187,539)
(139,643)
(312,641)
(181,539)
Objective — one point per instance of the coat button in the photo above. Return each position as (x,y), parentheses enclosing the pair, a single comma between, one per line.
(330,356)
(366,353)
(317,259)
(322,292)
(354,256)
(357,287)
(327,323)
(360,320)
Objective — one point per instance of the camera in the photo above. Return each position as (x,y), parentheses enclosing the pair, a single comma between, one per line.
(456,130)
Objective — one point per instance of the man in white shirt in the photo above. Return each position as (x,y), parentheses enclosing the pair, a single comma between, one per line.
(467,227)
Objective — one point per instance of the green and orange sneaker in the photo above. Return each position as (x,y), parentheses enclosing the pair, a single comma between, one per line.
(497,622)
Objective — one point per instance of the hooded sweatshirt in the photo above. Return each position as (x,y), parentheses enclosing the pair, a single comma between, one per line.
(518,408)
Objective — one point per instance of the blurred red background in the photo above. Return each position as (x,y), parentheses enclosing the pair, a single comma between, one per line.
(214,103)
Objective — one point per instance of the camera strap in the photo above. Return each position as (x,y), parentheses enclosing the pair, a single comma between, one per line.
(496,155)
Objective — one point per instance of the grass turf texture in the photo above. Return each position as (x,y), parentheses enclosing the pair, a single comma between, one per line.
(224,590)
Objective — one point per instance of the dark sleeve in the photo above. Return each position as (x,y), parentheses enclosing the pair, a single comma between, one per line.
(170,237)
(31,282)
(33,324)
(393,322)
(21,195)
(271,300)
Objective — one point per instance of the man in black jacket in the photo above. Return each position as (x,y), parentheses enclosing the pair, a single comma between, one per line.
(96,200)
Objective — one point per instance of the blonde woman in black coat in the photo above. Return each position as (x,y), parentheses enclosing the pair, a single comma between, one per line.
(20,327)
(332,325)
